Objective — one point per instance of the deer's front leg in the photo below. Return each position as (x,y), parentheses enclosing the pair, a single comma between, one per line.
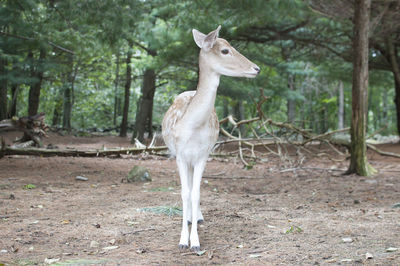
(185,194)
(195,196)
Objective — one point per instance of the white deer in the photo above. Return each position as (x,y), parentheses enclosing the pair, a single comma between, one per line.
(190,127)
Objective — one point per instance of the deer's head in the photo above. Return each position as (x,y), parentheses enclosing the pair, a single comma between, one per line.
(217,54)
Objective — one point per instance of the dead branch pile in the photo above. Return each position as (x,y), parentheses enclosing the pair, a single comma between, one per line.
(33,127)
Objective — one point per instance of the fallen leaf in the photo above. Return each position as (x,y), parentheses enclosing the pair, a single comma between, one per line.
(201,252)
(51,261)
(347,240)
(397,205)
(94,244)
(110,247)
(81,178)
(210,254)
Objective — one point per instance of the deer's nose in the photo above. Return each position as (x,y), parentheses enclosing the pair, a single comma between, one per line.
(256,68)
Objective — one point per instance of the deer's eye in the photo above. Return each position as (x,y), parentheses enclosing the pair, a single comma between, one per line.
(225,51)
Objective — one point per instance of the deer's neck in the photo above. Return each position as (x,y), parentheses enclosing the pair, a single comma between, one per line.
(202,104)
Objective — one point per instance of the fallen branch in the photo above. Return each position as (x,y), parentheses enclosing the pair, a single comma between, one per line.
(78,153)
(384,153)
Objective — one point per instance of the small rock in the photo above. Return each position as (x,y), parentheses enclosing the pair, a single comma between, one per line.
(391,249)
(94,244)
(347,240)
(254,255)
(371,181)
(369,256)
(346,260)
(138,174)
(3,251)
(140,251)
(81,178)
(112,241)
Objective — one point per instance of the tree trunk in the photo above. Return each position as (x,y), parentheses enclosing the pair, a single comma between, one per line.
(34,90)
(116,96)
(358,148)
(393,59)
(145,111)
(341,106)
(13,106)
(68,96)
(128,81)
(397,102)
(57,108)
(291,104)
(3,89)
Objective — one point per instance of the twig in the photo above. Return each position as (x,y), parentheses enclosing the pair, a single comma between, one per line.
(311,168)
(138,231)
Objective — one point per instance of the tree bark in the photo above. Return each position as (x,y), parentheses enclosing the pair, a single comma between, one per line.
(341,106)
(116,96)
(68,95)
(34,90)
(3,89)
(128,81)
(393,59)
(291,104)
(358,148)
(145,112)
(13,106)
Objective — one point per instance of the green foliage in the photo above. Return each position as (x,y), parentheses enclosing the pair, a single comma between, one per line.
(29,186)
(300,47)
(166,210)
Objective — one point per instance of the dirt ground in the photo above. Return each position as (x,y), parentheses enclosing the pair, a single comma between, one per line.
(268,215)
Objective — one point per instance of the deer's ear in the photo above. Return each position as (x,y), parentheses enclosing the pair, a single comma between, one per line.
(206,42)
(210,39)
(198,37)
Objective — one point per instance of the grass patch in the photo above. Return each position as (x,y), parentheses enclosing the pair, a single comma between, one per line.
(165,189)
(294,229)
(166,210)
(29,186)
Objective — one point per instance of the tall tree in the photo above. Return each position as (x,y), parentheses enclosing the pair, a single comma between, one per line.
(145,106)
(3,89)
(128,81)
(358,161)
(37,71)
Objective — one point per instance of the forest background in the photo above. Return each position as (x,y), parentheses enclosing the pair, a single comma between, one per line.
(116,65)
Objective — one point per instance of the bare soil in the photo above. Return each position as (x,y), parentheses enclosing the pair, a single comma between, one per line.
(271,214)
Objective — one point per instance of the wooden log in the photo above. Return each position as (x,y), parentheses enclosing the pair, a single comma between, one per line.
(77,153)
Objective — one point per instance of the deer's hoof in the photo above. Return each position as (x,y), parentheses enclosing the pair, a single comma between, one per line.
(182,247)
(195,248)
(200,221)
